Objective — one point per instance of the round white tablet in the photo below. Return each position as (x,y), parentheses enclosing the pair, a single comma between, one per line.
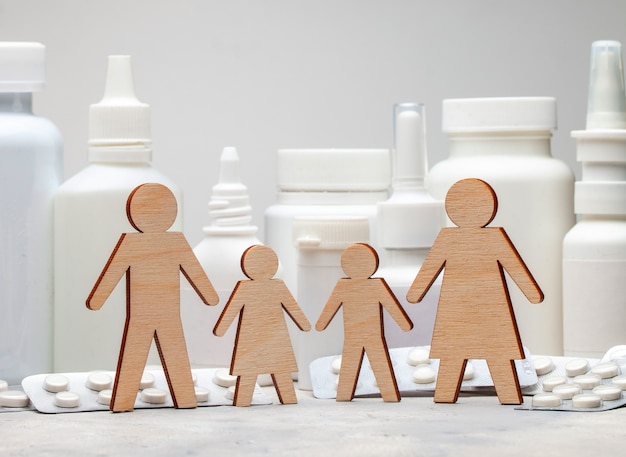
(587,381)
(586,401)
(147,380)
(13,399)
(202,394)
(104,397)
(543,365)
(223,379)
(418,356)
(620,381)
(3,385)
(566,391)
(550,383)
(606,370)
(423,374)
(335,365)
(56,383)
(576,366)
(153,395)
(98,381)
(66,399)
(546,400)
(469,372)
(230,393)
(608,392)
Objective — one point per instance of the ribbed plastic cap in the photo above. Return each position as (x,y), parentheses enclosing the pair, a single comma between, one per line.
(499,114)
(22,67)
(328,170)
(119,118)
(312,232)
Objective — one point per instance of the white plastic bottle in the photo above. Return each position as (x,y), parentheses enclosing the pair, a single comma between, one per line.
(408,224)
(506,142)
(227,236)
(30,172)
(90,216)
(320,242)
(323,182)
(594,250)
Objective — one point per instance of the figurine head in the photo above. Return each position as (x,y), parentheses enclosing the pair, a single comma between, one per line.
(151,208)
(259,262)
(359,261)
(471,203)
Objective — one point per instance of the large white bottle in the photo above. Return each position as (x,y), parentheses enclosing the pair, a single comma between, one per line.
(594,250)
(30,172)
(90,216)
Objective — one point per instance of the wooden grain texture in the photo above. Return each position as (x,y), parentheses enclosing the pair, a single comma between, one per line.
(363,299)
(262,344)
(152,260)
(475,318)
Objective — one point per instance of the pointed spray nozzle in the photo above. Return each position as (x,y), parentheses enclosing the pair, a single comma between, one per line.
(119,119)
(410,161)
(606,107)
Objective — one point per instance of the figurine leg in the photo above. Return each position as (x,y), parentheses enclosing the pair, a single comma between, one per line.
(449,380)
(284,388)
(244,390)
(383,372)
(170,343)
(351,361)
(505,381)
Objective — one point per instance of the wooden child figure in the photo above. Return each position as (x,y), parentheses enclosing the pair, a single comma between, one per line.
(262,344)
(475,318)
(152,260)
(363,299)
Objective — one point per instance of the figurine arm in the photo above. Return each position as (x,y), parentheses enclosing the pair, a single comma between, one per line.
(113,271)
(293,310)
(511,261)
(330,309)
(195,274)
(394,308)
(428,273)
(232,308)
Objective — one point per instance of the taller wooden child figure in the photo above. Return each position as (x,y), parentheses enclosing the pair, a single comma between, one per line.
(363,299)
(475,318)
(152,260)
(262,344)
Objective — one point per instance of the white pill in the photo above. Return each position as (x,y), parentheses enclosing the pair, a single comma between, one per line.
(586,401)
(13,399)
(3,385)
(418,356)
(230,393)
(335,365)
(587,381)
(202,394)
(153,395)
(223,379)
(619,381)
(56,383)
(550,383)
(98,381)
(576,366)
(66,399)
(546,400)
(423,374)
(566,391)
(606,370)
(608,392)
(104,397)
(543,365)
(469,372)
(147,380)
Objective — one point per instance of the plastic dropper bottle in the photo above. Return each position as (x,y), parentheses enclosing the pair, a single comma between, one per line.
(90,216)
(30,172)
(408,224)
(594,250)
(227,236)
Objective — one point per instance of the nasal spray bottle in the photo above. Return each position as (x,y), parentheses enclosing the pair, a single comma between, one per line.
(90,216)
(227,236)
(408,224)
(594,250)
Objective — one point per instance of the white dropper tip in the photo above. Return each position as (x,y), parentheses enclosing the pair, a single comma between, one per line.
(410,160)
(606,107)
(119,87)
(229,166)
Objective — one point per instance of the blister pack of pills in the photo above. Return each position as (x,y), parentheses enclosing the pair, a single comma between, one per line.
(13,398)
(578,384)
(414,372)
(76,392)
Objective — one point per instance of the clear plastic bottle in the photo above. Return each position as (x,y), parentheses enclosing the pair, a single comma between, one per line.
(594,250)
(30,171)
(506,142)
(90,216)
(227,236)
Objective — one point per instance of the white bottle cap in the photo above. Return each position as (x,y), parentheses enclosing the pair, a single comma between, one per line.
(22,67)
(337,233)
(606,108)
(499,114)
(333,170)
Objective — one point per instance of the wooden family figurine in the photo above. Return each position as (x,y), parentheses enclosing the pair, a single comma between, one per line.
(262,344)
(475,318)
(363,299)
(151,260)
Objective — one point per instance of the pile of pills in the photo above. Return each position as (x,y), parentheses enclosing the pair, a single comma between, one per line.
(75,392)
(12,399)
(414,371)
